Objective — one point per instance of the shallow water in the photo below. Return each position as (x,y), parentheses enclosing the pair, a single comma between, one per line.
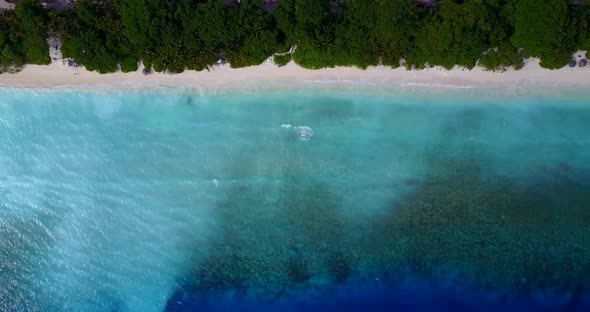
(153,201)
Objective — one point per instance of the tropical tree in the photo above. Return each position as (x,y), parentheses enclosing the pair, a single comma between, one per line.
(32,18)
(540,31)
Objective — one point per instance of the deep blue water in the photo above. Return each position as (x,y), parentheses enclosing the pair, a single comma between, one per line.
(454,200)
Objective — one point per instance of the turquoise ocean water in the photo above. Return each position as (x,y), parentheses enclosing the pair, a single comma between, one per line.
(302,200)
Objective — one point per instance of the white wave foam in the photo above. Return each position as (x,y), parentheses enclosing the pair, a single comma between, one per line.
(304,133)
(435,85)
(341,81)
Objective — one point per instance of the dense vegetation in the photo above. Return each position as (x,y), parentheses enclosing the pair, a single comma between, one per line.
(174,35)
(22,36)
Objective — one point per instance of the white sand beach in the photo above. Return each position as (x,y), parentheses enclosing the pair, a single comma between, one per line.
(60,75)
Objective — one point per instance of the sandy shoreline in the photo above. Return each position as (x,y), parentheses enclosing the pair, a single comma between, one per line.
(60,76)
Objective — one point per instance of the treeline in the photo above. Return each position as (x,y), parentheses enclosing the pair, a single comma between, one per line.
(174,35)
(23,36)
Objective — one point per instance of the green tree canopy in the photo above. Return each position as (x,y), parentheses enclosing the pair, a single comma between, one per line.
(96,39)
(453,34)
(33,19)
(378,29)
(540,26)
(12,54)
(174,35)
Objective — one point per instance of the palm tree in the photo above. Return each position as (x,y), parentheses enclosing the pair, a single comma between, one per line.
(55,22)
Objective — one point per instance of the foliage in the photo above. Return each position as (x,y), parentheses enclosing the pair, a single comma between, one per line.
(282,60)
(540,26)
(96,37)
(256,38)
(12,54)
(32,18)
(557,59)
(309,57)
(315,30)
(174,35)
(129,65)
(285,21)
(550,30)
(453,34)
(501,58)
(23,36)
(373,30)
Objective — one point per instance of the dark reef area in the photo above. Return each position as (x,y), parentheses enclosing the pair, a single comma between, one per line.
(462,240)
